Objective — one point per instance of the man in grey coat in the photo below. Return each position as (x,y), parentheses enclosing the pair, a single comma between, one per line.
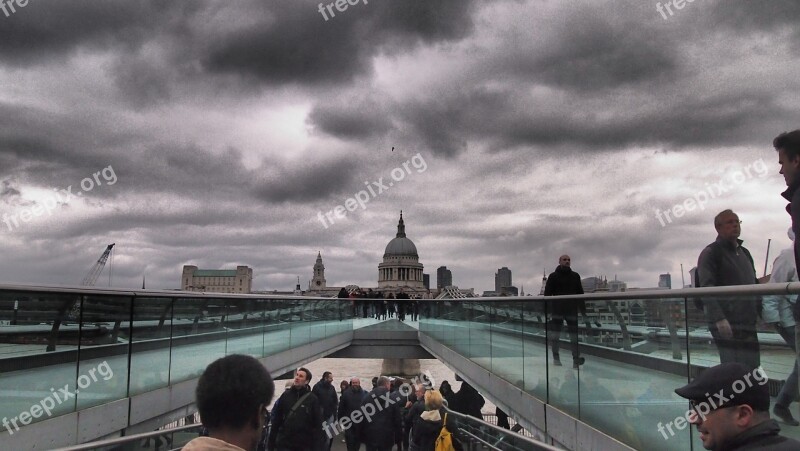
(732,322)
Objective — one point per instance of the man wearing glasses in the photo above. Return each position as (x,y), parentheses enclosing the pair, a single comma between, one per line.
(732,322)
(730,407)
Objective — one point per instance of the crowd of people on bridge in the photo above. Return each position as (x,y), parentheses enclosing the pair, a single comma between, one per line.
(382,306)
(234,393)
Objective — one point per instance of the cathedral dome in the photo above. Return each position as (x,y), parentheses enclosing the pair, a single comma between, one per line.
(400,245)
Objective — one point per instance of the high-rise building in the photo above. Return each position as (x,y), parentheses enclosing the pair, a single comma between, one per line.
(239,280)
(665,281)
(426,280)
(502,278)
(444,278)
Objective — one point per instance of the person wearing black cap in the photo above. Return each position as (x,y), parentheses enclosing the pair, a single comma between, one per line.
(730,404)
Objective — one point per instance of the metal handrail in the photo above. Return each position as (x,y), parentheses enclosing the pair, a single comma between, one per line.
(128,438)
(499,431)
(690,293)
(760,289)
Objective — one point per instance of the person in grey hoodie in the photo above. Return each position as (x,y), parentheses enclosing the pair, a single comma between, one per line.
(777,311)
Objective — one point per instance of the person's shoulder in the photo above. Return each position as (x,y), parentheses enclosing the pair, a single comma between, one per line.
(708,249)
(778,443)
(286,394)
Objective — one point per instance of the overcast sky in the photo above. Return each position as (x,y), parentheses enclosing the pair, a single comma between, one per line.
(217,133)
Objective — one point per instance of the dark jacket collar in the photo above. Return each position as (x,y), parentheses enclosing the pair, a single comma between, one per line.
(563,269)
(302,389)
(789,193)
(766,428)
(728,244)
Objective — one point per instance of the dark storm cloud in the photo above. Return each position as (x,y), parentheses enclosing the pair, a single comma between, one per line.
(596,54)
(354,120)
(46,146)
(8,190)
(143,82)
(757,16)
(508,118)
(713,120)
(303,183)
(292,43)
(50,149)
(50,28)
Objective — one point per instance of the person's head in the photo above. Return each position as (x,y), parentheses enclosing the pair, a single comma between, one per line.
(445,387)
(327,376)
(433,400)
(726,400)
(374,381)
(419,390)
(232,396)
(728,225)
(788,146)
(564,260)
(384,382)
(355,383)
(302,377)
(344,385)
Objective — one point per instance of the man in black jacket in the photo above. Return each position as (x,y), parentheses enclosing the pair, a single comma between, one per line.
(565,281)
(415,409)
(788,147)
(382,422)
(326,394)
(468,401)
(297,419)
(352,399)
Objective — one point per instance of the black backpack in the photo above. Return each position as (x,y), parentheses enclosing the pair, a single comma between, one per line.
(716,256)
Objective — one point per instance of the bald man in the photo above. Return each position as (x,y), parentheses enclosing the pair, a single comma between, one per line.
(564,281)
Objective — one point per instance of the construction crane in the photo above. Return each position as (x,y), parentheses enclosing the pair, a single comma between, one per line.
(94,273)
(71,309)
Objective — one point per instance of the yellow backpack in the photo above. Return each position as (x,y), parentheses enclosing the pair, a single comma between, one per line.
(444,442)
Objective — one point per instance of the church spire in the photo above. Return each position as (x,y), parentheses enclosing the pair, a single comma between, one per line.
(401,227)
